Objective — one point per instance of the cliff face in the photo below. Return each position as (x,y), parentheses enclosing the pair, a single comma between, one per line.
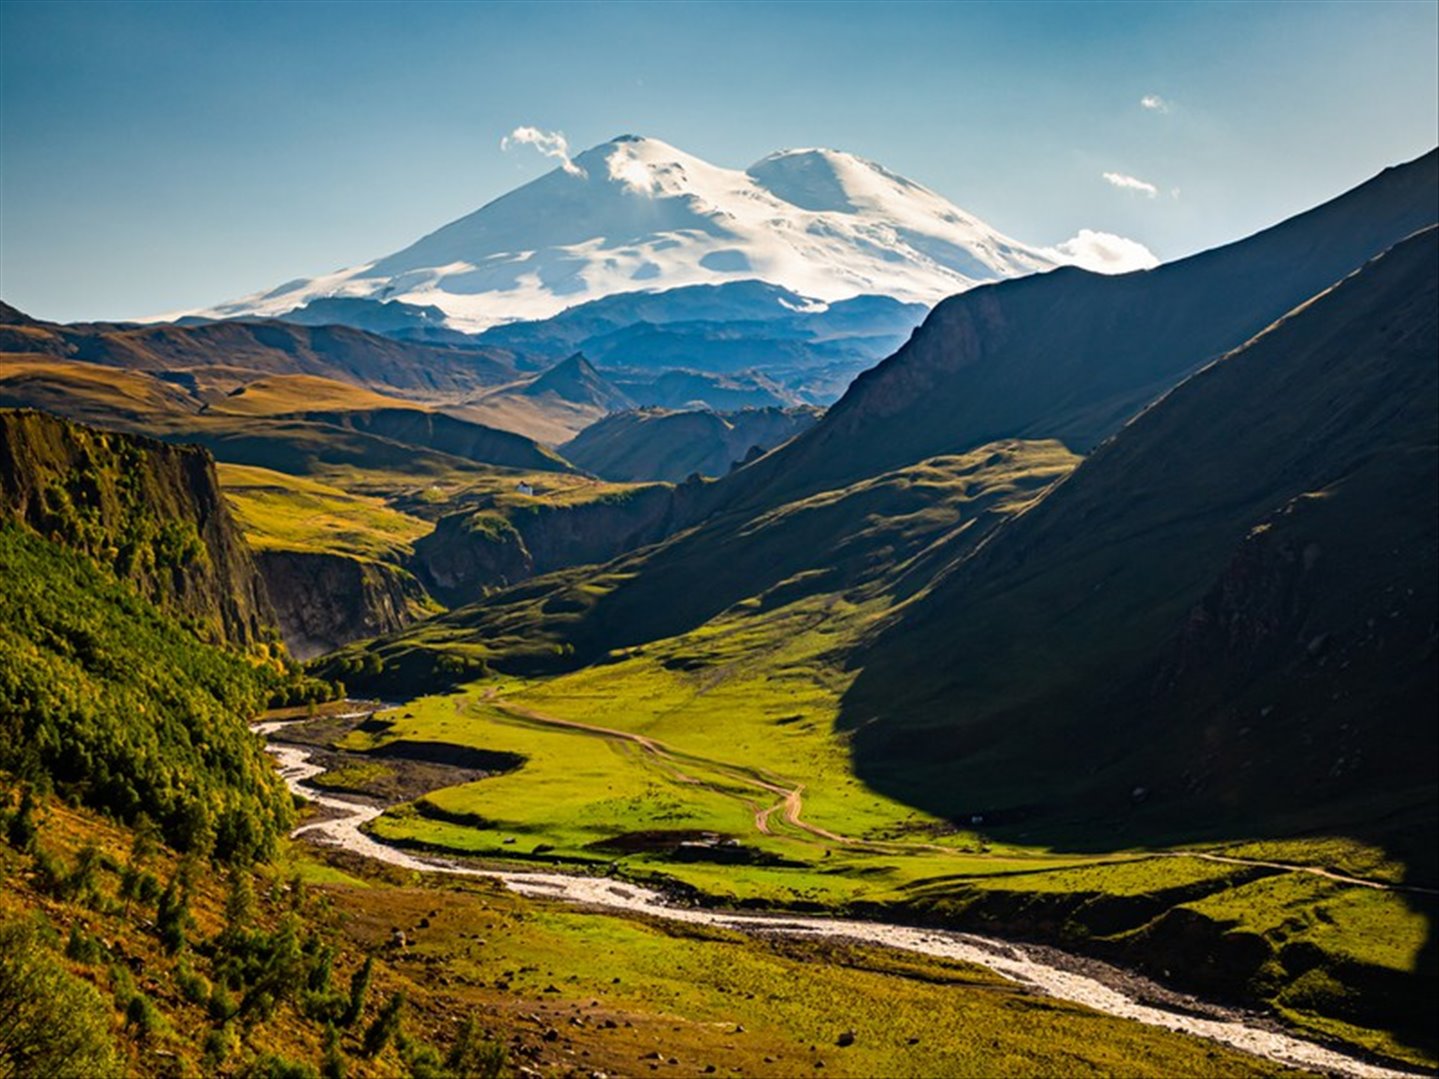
(470,553)
(326,600)
(150,511)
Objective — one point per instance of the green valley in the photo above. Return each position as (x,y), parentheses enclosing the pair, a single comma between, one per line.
(390,690)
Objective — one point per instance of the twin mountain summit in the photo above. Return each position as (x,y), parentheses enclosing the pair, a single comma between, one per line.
(1050,547)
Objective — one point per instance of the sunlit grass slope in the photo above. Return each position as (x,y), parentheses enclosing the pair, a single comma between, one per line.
(869,540)
(283,512)
(281,394)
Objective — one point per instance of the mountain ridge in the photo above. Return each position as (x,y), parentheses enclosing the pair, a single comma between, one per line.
(1073,355)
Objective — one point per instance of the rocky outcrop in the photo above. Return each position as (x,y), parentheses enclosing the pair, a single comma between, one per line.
(470,553)
(326,600)
(149,511)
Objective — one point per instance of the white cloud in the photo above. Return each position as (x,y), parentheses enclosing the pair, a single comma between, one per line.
(550,143)
(1104,252)
(1131,183)
(1154,103)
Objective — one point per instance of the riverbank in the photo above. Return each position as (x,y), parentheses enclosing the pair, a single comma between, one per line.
(1047,970)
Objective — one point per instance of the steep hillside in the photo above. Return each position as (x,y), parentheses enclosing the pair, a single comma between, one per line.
(147,510)
(111,701)
(1072,355)
(443,434)
(656,444)
(333,562)
(872,541)
(1240,585)
(323,600)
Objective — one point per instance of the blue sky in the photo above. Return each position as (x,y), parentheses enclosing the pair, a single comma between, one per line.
(164,156)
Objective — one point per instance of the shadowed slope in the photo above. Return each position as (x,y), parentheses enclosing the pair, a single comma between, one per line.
(656,444)
(1072,355)
(1239,585)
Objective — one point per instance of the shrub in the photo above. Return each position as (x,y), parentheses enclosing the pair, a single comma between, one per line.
(193,986)
(140,1014)
(172,915)
(359,987)
(81,947)
(51,1022)
(385,1027)
(219,1044)
(475,1057)
(20,829)
(221,1005)
(332,1064)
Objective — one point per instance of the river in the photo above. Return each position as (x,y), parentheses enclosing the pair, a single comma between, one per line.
(1014,961)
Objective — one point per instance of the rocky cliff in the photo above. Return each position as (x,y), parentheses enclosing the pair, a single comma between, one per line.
(473,552)
(149,511)
(326,600)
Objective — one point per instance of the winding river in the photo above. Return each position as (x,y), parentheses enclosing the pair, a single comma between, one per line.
(1010,960)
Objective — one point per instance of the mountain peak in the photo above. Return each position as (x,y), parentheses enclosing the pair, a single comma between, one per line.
(575,380)
(636,214)
(830,181)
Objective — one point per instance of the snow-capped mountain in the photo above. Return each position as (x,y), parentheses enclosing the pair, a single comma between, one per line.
(636,214)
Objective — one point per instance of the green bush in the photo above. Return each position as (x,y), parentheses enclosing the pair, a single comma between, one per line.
(332,1064)
(81,947)
(193,986)
(219,1044)
(475,1057)
(142,1017)
(386,1026)
(359,988)
(51,1022)
(20,829)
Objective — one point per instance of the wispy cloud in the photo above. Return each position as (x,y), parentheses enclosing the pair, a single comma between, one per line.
(1104,252)
(1131,183)
(550,143)
(1154,103)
